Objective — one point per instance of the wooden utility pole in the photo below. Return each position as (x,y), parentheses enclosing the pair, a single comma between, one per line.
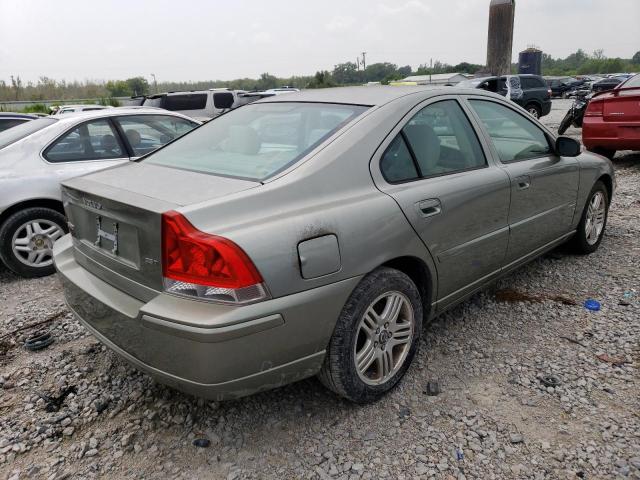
(500,39)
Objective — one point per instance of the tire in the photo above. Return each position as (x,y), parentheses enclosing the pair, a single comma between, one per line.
(605,152)
(565,123)
(582,243)
(534,110)
(32,256)
(376,293)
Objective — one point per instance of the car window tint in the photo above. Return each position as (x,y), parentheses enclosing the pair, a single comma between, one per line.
(145,133)
(514,136)
(258,140)
(94,140)
(442,140)
(190,101)
(396,164)
(528,82)
(10,122)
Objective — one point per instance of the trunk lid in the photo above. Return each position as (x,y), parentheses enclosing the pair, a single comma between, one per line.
(115,219)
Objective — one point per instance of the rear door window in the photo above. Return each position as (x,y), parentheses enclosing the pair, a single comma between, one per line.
(438,140)
(94,140)
(145,133)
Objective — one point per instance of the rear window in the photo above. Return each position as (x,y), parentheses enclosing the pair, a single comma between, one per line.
(19,132)
(256,141)
(192,101)
(531,82)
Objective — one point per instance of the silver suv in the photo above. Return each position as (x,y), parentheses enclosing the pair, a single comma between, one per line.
(36,156)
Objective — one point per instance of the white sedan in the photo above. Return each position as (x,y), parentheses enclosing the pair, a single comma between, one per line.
(36,156)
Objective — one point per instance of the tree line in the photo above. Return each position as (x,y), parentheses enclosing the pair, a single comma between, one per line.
(347,73)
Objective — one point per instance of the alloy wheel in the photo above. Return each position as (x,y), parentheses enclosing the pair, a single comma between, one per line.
(383,338)
(595,218)
(32,243)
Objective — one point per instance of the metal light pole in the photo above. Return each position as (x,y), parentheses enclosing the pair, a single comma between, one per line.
(155,82)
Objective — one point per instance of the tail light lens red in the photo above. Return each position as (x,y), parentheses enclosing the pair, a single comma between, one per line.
(595,109)
(208,267)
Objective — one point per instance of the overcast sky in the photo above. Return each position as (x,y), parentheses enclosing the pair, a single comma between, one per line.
(206,40)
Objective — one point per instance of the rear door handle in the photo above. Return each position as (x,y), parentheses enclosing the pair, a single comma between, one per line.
(430,207)
(523,182)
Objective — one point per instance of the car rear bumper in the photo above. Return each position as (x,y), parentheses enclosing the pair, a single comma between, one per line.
(546,108)
(596,133)
(209,350)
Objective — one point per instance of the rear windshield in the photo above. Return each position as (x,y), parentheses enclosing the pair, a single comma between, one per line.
(190,101)
(21,131)
(256,141)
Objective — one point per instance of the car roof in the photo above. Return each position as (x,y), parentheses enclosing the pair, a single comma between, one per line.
(114,112)
(365,95)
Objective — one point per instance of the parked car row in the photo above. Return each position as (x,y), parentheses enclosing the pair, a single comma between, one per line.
(569,86)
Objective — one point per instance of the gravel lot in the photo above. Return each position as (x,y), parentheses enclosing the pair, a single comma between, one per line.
(532,386)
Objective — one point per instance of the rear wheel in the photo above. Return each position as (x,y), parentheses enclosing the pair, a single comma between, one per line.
(605,152)
(375,338)
(593,221)
(27,238)
(534,110)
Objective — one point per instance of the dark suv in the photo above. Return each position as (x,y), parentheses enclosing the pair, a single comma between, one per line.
(529,91)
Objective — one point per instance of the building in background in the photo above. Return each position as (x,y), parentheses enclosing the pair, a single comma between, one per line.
(448,79)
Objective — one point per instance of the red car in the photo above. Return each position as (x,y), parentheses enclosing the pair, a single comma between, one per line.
(612,120)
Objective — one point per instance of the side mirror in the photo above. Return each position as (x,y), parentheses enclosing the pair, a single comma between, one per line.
(567,147)
(223,100)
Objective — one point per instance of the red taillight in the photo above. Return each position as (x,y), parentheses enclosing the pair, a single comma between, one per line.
(549,92)
(595,109)
(206,266)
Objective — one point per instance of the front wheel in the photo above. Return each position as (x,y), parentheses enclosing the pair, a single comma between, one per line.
(593,221)
(27,238)
(565,123)
(375,338)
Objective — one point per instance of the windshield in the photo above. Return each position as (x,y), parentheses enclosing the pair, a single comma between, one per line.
(256,141)
(470,83)
(19,132)
(632,82)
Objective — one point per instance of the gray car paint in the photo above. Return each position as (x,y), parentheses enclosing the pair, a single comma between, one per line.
(337,190)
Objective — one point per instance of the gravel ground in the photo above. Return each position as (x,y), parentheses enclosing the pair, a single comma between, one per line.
(532,384)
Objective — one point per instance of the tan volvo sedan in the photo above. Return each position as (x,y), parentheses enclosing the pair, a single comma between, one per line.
(315,233)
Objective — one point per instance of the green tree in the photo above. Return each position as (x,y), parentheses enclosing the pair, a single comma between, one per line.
(137,86)
(636,58)
(347,74)
(118,88)
(377,72)
(321,79)
(266,82)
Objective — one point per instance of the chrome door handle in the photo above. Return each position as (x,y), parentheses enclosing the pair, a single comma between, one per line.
(429,208)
